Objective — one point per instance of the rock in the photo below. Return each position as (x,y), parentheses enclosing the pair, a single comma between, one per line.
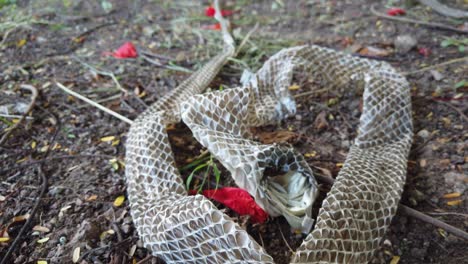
(436,75)
(404,43)
(424,134)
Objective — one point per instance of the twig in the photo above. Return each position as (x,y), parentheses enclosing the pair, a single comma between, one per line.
(413,21)
(413,213)
(146,259)
(3,171)
(15,116)
(91,102)
(437,65)
(425,218)
(311,92)
(447,213)
(444,10)
(33,91)
(246,38)
(460,112)
(101,72)
(284,239)
(37,203)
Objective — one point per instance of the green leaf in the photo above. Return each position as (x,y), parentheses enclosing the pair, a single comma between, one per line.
(461,48)
(217,174)
(447,42)
(190,177)
(194,163)
(461,84)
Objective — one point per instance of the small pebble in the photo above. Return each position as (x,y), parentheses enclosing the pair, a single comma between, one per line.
(423,133)
(404,43)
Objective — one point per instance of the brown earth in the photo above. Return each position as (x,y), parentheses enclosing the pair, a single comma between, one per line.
(69,143)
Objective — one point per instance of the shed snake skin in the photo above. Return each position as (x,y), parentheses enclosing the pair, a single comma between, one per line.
(357,211)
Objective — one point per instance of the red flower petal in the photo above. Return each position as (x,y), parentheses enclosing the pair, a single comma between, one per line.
(127,50)
(216,26)
(239,201)
(210,12)
(424,51)
(395,11)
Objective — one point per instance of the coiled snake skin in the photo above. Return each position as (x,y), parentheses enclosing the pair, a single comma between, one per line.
(356,212)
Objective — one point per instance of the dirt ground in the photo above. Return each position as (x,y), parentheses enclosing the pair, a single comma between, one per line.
(80,150)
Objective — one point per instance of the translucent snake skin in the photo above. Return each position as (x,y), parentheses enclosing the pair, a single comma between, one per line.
(357,211)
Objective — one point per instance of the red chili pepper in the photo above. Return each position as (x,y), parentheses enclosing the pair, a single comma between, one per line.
(395,11)
(127,50)
(238,200)
(424,51)
(210,12)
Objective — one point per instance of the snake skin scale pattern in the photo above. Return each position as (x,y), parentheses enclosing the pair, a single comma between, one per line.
(356,212)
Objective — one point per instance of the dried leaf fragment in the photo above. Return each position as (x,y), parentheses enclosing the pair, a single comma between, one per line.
(43,240)
(41,229)
(395,260)
(76,255)
(119,201)
(4,239)
(454,203)
(452,195)
(107,138)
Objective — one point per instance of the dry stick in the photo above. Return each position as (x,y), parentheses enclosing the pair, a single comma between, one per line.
(34,93)
(444,10)
(246,38)
(91,102)
(437,65)
(409,211)
(408,20)
(414,213)
(460,112)
(105,73)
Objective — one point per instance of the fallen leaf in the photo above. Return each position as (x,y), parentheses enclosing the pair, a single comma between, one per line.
(33,144)
(282,136)
(107,139)
(21,218)
(21,43)
(41,262)
(115,164)
(41,229)
(454,203)
(452,195)
(76,255)
(43,240)
(321,122)
(2,198)
(310,154)
(4,239)
(374,52)
(91,198)
(132,250)
(395,260)
(106,233)
(294,87)
(119,201)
